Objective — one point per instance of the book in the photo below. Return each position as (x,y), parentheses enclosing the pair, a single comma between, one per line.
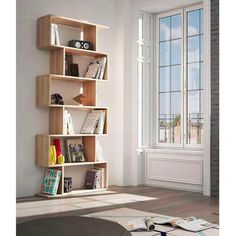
(74,150)
(68,124)
(54,35)
(90,123)
(90,179)
(190,223)
(101,173)
(103,68)
(139,225)
(96,68)
(51,182)
(92,69)
(101,121)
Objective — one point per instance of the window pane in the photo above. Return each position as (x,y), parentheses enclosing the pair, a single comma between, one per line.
(165,79)
(193,102)
(193,76)
(195,131)
(175,78)
(176,26)
(175,103)
(201,76)
(140,26)
(175,52)
(164,103)
(193,22)
(165,29)
(193,49)
(201,48)
(164,53)
(164,131)
(201,21)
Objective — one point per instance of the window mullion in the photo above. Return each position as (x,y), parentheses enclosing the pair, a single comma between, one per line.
(184,24)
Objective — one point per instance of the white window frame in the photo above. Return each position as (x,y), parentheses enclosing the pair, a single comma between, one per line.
(183,145)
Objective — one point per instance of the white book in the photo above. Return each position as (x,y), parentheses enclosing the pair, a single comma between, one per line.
(70,126)
(57,40)
(104,62)
(100,125)
(65,122)
(53,34)
(102,176)
(90,123)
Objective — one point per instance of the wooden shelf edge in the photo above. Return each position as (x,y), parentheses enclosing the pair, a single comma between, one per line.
(74,135)
(79,107)
(76,164)
(72,193)
(72,78)
(80,22)
(78,51)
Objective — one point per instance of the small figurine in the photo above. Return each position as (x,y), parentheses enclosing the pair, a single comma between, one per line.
(56,98)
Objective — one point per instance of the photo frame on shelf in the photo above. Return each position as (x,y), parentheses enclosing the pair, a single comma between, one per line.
(68,62)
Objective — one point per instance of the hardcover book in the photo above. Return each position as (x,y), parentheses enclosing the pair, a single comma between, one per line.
(51,182)
(90,179)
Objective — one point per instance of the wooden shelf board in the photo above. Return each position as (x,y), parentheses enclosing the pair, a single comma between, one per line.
(78,164)
(74,135)
(78,107)
(73,78)
(72,193)
(76,23)
(81,52)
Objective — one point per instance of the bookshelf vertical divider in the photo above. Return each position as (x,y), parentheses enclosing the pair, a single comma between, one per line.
(56,81)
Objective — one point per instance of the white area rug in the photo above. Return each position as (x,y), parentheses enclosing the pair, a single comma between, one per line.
(125,214)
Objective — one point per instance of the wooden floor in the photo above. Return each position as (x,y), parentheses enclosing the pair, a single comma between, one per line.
(167,202)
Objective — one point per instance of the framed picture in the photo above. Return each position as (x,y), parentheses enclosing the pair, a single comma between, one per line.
(75,150)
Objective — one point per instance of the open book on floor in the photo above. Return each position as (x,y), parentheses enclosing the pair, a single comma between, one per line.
(190,223)
(138,225)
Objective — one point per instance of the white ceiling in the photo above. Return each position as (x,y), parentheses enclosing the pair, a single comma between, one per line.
(155,6)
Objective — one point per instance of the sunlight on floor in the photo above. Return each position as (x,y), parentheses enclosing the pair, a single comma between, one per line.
(24,209)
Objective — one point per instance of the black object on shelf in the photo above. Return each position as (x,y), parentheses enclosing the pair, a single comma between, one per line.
(67,184)
(74,69)
(80,44)
(57,99)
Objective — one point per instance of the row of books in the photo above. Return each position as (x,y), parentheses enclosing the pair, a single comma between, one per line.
(94,123)
(96,68)
(95,178)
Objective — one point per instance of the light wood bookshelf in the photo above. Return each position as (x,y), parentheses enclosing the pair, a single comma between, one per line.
(68,87)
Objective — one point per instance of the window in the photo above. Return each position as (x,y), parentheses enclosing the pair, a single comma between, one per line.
(179,78)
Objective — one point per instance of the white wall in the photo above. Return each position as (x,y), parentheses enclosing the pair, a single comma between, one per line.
(31,61)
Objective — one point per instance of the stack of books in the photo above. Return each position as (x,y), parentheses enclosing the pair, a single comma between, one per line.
(95,178)
(94,123)
(96,68)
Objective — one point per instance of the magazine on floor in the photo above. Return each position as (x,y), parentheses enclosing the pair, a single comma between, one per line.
(190,223)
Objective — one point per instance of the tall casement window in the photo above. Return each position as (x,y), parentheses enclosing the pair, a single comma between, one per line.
(179,63)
